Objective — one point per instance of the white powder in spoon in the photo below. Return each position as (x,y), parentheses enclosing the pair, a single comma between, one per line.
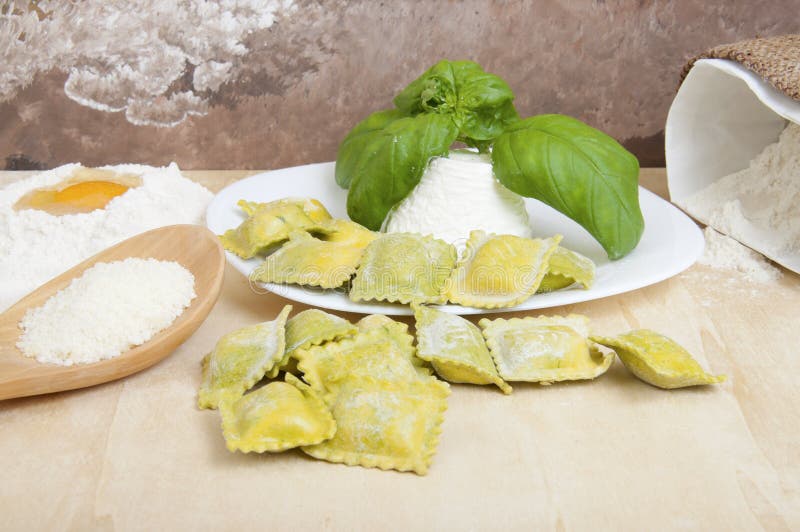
(112,307)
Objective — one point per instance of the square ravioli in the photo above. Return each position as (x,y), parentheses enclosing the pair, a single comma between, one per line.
(455,347)
(240,359)
(276,417)
(498,271)
(372,353)
(309,261)
(384,424)
(311,327)
(404,267)
(567,267)
(345,232)
(544,349)
(269,224)
(658,360)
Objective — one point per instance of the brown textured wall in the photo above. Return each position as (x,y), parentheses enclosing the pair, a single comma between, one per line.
(308,78)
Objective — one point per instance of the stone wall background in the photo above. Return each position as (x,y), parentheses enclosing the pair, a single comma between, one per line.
(279,83)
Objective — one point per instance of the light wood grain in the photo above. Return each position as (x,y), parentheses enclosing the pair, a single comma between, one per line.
(612,454)
(194,247)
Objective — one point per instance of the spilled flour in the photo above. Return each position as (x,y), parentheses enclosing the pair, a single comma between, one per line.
(723,252)
(759,205)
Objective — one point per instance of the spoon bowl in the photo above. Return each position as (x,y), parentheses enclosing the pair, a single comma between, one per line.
(194,247)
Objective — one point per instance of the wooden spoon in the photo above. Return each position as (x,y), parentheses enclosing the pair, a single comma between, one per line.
(192,246)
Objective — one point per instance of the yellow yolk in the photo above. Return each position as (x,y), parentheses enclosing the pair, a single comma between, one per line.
(86,190)
(89,195)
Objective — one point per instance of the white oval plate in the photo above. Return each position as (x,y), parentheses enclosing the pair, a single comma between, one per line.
(671,242)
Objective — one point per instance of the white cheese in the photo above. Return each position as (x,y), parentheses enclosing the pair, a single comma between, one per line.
(456,195)
(112,307)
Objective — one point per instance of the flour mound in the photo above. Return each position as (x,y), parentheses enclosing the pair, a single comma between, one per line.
(36,246)
(759,205)
(725,253)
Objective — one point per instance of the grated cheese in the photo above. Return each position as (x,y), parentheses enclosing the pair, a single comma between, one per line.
(109,309)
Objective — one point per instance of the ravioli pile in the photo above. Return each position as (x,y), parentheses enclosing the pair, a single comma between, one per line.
(304,245)
(364,394)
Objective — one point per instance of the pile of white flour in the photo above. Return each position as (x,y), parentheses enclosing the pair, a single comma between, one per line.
(725,253)
(760,204)
(107,310)
(36,246)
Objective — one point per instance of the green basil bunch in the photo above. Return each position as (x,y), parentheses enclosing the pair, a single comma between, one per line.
(570,166)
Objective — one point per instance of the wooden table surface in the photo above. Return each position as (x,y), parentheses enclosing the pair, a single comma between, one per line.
(612,454)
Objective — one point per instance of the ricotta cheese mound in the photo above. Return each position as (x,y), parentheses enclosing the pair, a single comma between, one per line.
(458,194)
(36,246)
(112,307)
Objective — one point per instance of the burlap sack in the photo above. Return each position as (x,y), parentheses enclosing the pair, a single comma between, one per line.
(775,59)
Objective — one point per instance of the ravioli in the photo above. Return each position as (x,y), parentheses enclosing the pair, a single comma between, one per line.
(387,424)
(240,359)
(658,360)
(499,270)
(276,417)
(308,261)
(367,354)
(544,349)
(345,231)
(311,327)
(567,267)
(455,347)
(269,224)
(404,267)
(397,333)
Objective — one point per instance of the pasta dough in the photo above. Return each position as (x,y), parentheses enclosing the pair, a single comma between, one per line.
(658,360)
(455,347)
(276,417)
(240,359)
(544,349)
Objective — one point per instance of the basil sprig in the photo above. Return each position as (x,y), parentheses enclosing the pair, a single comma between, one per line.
(574,168)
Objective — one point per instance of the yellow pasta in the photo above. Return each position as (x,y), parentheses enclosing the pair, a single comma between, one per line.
(404,267)
(455,347)
(544,349)
(269,224)
(309,261)
(311,327)
(565,268)
(387,424)
(240,359)
(499,270)
(658,360)
(276,417)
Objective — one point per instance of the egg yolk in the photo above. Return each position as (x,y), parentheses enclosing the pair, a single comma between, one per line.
(82,192)
(89,195)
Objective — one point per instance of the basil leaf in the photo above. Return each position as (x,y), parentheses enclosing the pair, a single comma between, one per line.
(481,103)
(353,144)
(390,162)
(577,170)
